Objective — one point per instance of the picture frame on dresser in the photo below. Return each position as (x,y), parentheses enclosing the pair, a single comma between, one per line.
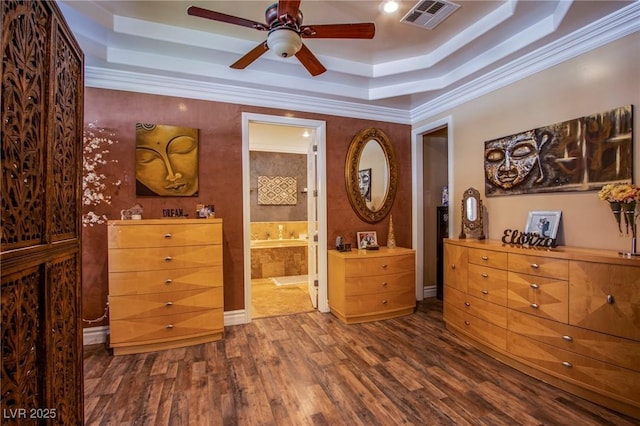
(543,223)
(367,239)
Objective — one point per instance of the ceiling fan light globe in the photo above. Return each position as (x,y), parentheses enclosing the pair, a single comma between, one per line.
(284,42)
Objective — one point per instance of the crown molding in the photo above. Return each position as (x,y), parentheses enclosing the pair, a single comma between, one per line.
(105,78)
(607,30)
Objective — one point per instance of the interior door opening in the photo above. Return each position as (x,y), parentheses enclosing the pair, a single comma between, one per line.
(283,220)
(432,171)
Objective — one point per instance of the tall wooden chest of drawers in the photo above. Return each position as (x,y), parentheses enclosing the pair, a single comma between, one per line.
(165,283)
(370,285)
(568,316)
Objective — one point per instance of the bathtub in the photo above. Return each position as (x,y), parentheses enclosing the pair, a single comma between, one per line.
(294,242)
(278,258)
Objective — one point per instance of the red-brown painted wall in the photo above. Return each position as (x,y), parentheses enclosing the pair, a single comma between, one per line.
(220,135)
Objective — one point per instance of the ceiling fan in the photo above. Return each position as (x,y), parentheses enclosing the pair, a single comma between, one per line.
(284,24)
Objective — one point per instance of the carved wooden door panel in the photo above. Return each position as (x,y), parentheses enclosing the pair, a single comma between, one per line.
(41,122)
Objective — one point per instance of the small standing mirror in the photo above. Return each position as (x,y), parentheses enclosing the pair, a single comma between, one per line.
(472,214)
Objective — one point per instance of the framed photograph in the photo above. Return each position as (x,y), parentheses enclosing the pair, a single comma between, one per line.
(543,223)
(367,239)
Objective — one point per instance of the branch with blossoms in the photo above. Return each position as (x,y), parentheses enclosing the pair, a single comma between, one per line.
(95,153)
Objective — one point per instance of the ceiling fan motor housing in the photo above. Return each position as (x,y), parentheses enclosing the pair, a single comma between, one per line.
(272,19)
(284,42)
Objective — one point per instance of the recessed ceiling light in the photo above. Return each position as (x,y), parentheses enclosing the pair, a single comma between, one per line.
(390,6)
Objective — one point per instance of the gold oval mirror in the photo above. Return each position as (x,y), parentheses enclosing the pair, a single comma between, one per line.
(371,175)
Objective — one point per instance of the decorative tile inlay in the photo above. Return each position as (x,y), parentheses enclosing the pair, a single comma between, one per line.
(277,190)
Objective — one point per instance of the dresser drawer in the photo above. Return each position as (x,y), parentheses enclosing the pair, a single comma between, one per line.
(163,235)
(593,374)
(543,297)
(539,266)
(493,259)
(141,331)
(488,284)
(378,284)
(478,329)
(370,304)
(123,283)
(495,314)
(379,265)
(605,298)
(172,302)
(614,350)
(161,258)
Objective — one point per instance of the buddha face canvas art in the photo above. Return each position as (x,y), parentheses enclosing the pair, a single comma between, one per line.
(166,160)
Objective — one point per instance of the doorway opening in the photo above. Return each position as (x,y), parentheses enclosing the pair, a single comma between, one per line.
(284,215)
(433,172)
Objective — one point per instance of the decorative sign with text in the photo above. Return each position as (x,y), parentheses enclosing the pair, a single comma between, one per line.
(527,239)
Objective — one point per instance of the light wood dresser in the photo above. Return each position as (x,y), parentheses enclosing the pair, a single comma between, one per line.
(568,316)
(165,283)
(370,285)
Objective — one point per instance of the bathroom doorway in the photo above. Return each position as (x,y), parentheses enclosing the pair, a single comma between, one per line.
(284,214)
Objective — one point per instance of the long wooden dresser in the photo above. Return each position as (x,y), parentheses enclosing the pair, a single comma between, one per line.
(370,285)
(568,316)
(165,283)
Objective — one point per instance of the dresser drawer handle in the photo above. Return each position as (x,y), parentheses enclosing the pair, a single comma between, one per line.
(467,323)
(610,299)
(567,338)
(567,364)
(484,291)
(168,281)
(467,304)
(169,326)
(168,235)
(484,275)
(485,258)
(168,259)
(453,266)
(534,286)
(534,305)
(384,266)
(384,302)
(169,303)
(384,284)
(535,266)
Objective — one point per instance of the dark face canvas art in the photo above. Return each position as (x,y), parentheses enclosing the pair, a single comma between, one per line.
(575,155)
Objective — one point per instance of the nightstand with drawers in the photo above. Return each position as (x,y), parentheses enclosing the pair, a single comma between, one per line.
(370,285)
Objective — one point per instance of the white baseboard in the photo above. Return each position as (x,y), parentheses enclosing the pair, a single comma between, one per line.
(235,317)
(97,335)
(429,291)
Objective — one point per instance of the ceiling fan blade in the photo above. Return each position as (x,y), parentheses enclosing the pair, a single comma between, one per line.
(221,17)
(290,8)
(363,30)
(247,59)
(309,61)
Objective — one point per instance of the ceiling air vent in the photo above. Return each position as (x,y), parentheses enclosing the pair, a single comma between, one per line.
(428,13)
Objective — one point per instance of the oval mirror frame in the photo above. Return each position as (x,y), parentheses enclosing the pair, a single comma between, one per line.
(352,166)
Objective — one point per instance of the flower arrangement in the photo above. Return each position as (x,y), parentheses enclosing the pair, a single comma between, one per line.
(623,199)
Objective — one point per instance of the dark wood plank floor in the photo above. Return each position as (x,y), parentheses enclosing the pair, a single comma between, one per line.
(310,369)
